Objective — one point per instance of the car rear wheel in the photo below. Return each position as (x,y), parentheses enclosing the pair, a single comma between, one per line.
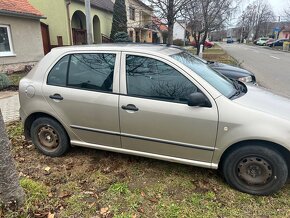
(49,137)
(255,170)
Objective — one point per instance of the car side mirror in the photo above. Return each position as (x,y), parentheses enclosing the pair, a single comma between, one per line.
(198,99)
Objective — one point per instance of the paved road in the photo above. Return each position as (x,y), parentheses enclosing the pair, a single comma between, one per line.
(272,68)
(9,105)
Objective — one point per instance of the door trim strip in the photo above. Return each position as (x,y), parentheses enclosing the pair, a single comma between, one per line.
(95,130)
(182,144)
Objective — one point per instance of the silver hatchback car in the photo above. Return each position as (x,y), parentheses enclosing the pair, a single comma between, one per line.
(158,102)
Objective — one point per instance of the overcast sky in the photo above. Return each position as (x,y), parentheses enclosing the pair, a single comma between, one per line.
(278,6)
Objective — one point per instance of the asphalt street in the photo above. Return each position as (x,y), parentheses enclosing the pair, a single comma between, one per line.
(271,68)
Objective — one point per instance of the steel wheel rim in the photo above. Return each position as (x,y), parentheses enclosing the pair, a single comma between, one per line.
(48,137)
(254,171)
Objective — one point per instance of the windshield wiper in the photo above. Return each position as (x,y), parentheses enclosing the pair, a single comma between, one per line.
(237,87)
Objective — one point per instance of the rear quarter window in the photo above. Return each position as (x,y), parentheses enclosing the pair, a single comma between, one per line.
(57,75)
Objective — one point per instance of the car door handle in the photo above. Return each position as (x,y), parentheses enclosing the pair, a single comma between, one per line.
(56,97)
(130,107)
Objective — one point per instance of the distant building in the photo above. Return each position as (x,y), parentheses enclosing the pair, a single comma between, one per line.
(160,35)
(179,30)
(140,21)
(20,35)
(284,33)
(66,21)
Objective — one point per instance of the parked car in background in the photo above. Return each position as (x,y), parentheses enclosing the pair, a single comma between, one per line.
(269,41)
(207,44)
(262,41)
(230,40)
(231,72)
(278,42)
(157,102)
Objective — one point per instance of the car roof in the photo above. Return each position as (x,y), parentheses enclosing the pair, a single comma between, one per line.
(125,47)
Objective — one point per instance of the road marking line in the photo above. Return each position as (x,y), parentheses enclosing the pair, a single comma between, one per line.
(274,57)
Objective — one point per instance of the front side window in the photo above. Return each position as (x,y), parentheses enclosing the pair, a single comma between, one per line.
(91,71)
(5,41)
(150,78)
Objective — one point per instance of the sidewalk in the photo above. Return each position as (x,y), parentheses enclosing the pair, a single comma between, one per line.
(9,104)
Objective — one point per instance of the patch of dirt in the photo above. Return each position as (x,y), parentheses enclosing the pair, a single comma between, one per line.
(11,88)
(7,94)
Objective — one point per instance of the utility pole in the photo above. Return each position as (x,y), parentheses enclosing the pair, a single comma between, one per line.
(88,22)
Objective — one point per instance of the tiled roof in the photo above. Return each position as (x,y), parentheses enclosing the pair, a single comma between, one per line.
(22,7)
(106,5)
(157,21)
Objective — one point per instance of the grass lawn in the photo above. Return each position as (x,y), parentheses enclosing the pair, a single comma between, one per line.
(216,53)
(16,77)
(94,183)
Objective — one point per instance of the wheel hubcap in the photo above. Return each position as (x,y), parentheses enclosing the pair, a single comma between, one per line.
(254,170)
(48,137)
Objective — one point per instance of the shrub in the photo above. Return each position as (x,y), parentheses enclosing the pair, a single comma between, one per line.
(121,37)
(178,42)
(4,81)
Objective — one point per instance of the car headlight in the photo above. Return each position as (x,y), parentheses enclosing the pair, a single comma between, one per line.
(245,79)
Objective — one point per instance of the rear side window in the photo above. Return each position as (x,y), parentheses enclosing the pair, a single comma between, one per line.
(91,71)
(150,78)
(57,75)
(84,71)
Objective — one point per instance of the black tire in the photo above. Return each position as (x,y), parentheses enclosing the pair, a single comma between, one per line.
(255,169)
(49,137)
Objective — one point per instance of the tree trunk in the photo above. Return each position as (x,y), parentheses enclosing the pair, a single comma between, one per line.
(170,20)
(10,190)
(170,34)
(197,41)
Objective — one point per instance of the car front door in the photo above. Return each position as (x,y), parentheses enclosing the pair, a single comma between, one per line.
(154,115)
(80,89)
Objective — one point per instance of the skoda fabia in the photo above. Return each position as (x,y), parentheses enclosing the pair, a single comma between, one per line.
(157,102)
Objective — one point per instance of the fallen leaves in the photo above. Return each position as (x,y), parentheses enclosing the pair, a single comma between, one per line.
(64,194)
(50,215)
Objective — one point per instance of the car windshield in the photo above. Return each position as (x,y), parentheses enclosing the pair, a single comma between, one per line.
(224,85)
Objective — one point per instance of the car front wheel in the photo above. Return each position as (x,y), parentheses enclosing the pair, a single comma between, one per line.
(49,137)
(255,170)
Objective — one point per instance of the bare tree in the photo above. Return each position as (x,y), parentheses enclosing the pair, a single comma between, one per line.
(287,11)
(247,21)
(10,190)
(168,10)
(205,16)
(255,18)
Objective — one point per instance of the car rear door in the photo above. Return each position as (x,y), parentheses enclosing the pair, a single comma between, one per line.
(80,89)
(154,115)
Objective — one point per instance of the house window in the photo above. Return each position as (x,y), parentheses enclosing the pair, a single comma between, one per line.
(131,34)
(5,41)
(132,13)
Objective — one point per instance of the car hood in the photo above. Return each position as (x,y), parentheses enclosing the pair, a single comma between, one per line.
(260,99)
(226,67)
